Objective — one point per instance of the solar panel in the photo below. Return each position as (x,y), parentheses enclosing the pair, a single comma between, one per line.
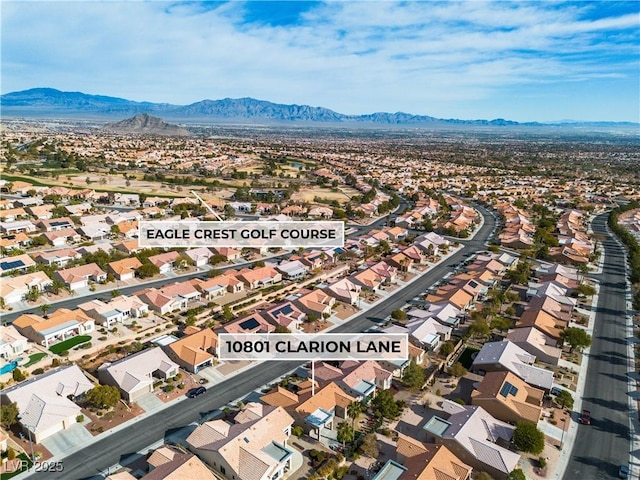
(508,389)
(11,265)
(286,310)
(249,324)
(57,224)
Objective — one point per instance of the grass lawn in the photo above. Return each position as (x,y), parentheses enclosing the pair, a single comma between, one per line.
(35,358)
(26,465)
(69,343)
(466,359)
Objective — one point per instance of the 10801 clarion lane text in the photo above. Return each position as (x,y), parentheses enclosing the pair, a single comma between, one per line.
(314,346)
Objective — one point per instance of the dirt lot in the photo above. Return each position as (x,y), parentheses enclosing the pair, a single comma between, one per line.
(343,311)
(308,194)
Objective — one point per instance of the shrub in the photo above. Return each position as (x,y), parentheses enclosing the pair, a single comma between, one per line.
(543,462)
(64,353)
(80,418)
(102,339)
(18,376)
(168,388)
(438,392)
(297,431)
(38,371)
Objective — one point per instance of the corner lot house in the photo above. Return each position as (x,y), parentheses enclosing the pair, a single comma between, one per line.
(58,326)
(45,401)
(116,310)
(133,375)
(253,447)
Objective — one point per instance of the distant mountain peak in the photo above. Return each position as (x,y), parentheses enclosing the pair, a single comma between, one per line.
(144,123)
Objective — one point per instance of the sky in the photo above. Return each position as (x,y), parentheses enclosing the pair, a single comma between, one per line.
(525,61)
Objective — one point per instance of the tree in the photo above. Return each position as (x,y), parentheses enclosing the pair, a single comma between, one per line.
(564,399)
(354,409)
(369,446)
(345,433)
(457,370)
(483,476)
(384,405)
(576,338)
(413,377)
(446,349)
(281,329)
(479,328)
(586,290)
(103,396)
(527,438)
(516,474)
(227,313)
(400,315)
(18,376)
(9,414)
(147,270)
(44,308)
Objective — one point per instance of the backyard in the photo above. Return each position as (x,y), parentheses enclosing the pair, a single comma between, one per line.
(69,343)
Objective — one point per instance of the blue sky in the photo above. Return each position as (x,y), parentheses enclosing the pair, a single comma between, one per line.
(525,61)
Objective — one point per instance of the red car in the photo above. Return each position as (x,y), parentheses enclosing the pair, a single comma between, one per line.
(585,418)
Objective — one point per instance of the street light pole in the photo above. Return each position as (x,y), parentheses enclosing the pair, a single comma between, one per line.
(564,425)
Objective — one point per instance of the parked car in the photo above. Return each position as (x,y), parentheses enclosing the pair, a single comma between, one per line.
(623,471)
(194,392)
(585,418)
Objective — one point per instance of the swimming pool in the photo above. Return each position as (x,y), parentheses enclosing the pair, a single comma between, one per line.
(10,367)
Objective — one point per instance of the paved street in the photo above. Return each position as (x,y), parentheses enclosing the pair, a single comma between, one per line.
(601,447)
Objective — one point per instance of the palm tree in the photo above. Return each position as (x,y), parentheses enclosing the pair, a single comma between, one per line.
(354,409)
(44,308)
(345,433)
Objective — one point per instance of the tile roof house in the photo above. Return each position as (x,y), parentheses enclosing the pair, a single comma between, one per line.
(218,286)
(315,302)
(259,277)
(507,356)
(16,263)
(60,238)
(57,326)
(124,269)
(323,411)
(367,279)
(78,277)
(167,464)
(165,261)
(477,439)
(12,343)
(58,258)
(388,273)
(254,447)
(200,256)
(537,343)
(12,289)
(428,461)
(227,252)
(133,375)
(345,291)
(115,310)
(160,302)
(544,322)
(252,323)
(43,401)
(194,351)
(293,269)
(508,398)
(360,379)
(286,314)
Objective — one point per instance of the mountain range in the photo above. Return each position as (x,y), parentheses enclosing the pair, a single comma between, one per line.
(49,102)
(145,124)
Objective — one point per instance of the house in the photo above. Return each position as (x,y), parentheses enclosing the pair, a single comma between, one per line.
(400,262)
(45,401)
(476,438)
(388,273)
(315,302)
(58,258)
(428,333)
(293,270)
(286,397)
(367,279)
(313,259)
(345,291)
(360,379)
(168,464)
(507,356)
(133,375)
(12,343)
(13,289)
(253,447)
(19,263)
(508,398)
(252,323)
(20,226)
(457,296)
(285,314)
(60,238)
(181,291)
(547,324)
(417,256)
(56,327)
(422,461)
(160,302)
(199,256)
(195,351)
(165,261)
(117,309)
(124,269)
(229,253)
(323,411)
(444,312)
(537,343)
(218,286)
(129,247)
(55,224)
(12,241)
(78,277)
(259,277)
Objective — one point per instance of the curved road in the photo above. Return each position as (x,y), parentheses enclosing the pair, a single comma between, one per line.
(600,448)
(114,448)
